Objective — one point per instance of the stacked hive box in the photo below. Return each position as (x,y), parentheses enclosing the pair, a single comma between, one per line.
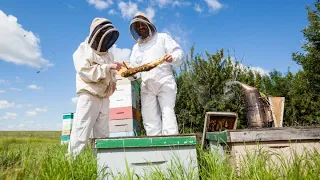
(66,127)
(124,112)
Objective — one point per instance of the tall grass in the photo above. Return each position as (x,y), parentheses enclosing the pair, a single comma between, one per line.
(44,158)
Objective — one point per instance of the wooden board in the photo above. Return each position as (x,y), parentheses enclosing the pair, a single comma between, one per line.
(274,134)
(278,109)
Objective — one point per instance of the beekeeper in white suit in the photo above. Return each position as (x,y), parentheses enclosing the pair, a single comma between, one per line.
(158,87)
(95,82)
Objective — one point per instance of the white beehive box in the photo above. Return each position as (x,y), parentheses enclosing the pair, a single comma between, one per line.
(124,112)
(141,154)
(124,125)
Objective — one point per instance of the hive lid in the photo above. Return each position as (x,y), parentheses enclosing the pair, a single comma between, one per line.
(67,115)
(158,141)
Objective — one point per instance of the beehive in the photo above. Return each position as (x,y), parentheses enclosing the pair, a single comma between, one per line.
(124,112)
(67,120)
(139,155)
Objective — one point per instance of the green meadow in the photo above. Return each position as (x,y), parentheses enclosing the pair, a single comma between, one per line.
(39,155)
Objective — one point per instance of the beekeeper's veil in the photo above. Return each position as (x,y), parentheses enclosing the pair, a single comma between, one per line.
(141,17)
(102,35)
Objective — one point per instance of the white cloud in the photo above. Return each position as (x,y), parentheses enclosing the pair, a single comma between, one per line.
(9,115)
(260,70)
(214,5)
(35,111)
(74,100)
(33,126)
(5,104)
(140,1)
(35,87)
(128,10)
(41,109)
(180,34)
(3,81)
(31,113)
(164,3)
(181,3)
(150,13)
(112,12)
(197,8)
(244,68)
(15,89)
(2,91)
(18,45)
(100,4)
(120,55)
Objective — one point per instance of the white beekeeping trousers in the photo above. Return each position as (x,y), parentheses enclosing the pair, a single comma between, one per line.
(157,106)
(92,116)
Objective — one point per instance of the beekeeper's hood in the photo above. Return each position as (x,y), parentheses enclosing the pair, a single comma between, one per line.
(102,35)
(141,18)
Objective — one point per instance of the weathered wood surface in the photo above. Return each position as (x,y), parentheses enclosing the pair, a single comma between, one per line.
(274,134)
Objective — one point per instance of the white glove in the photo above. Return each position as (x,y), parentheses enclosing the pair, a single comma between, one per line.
(132,78)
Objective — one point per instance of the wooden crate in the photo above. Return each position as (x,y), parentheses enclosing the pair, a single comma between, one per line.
(218,121)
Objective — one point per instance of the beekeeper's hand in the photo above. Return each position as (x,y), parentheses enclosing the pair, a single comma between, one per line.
(168,58)
(132,78)
(116,66)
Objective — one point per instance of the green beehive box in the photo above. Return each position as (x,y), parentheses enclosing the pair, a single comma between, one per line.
(141,154)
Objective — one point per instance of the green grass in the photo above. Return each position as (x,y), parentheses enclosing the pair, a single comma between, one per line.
(39,155)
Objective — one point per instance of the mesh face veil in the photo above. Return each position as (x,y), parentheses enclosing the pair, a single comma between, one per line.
(103,36)
(141,18)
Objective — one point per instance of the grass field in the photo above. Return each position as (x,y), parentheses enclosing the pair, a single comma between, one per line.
(39,155)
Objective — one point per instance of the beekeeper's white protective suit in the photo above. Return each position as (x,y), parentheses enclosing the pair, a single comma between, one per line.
(95,82)
(158,87)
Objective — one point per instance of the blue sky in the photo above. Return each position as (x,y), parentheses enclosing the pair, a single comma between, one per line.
(42,36)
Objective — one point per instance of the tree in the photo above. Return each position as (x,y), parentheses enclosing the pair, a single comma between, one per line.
(306,87)
(202,87)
